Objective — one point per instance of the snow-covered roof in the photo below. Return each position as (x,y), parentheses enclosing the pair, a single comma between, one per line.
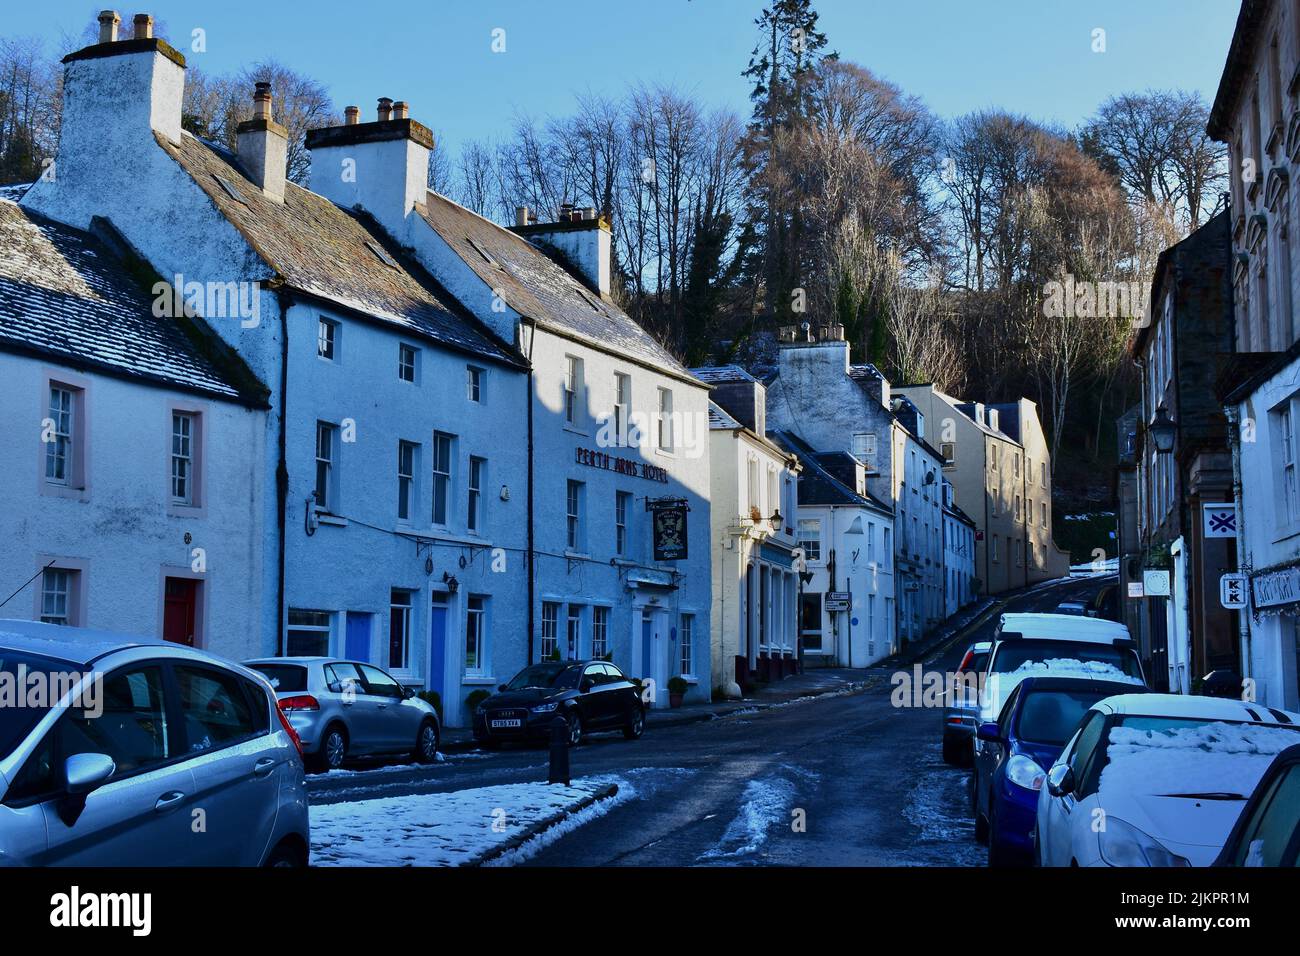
(721,373)
(334,254)
(538,287)
(1067,627)
(719,418)
(1196,707)
(65,295)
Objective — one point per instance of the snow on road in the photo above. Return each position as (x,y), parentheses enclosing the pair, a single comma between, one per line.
(766,802)
(439,829)
(939,808)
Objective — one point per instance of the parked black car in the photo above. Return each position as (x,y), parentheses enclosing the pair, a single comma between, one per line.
(1268,831)
(589,695)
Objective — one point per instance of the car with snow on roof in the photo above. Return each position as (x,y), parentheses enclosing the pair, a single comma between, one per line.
(1156,780)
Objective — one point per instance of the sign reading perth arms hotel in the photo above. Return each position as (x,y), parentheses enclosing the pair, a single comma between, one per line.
(1271,589)
(622,466)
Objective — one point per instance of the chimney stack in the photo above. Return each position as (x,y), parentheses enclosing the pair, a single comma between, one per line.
(401,110)
(581,235)
(263,146)
(352,115)
(142,26)
(108,21)
(521,215)
(385,109)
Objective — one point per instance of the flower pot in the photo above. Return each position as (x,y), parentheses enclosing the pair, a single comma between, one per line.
(675,700)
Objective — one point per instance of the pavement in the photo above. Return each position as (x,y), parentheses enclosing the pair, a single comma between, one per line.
(840,778)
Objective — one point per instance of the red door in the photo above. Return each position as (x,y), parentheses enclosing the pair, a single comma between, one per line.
(178,610)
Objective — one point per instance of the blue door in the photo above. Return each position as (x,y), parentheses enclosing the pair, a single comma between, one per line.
(647,639)
(437,644)
(356,643)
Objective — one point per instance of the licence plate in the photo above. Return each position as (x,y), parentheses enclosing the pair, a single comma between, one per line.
(504,724)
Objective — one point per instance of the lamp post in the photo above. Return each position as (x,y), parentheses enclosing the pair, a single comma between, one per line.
(1163,430)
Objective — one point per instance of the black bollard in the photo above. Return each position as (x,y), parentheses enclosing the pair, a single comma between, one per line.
(559,751)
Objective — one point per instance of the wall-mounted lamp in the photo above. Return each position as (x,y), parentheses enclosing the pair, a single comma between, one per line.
(1163,431)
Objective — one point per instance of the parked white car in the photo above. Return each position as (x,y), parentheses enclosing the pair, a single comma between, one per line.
(1055,645)
(1156,779)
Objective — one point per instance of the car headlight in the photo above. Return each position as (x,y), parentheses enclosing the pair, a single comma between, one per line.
(1123,844)
(544,708)
(1024,772)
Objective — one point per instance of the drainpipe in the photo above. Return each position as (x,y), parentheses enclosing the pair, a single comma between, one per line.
(282,466)
(1243,617)
(532,551)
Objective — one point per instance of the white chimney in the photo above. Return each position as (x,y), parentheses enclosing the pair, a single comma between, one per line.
(380,167)
(263,146)
(585,243)
(993,419)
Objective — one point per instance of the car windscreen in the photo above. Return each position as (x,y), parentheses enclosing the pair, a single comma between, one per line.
(557,675)
(1052,716)
(1013,655)
(285,678)
(20,707)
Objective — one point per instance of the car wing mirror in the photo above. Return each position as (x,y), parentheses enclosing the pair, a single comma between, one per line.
(83,773)
(501,688)
(586,685)
(1060,780)
(989,732)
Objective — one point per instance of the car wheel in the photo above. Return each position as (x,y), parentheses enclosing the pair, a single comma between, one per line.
(574,721)
(426,743)
(635,725)
(286,855)
(333,748)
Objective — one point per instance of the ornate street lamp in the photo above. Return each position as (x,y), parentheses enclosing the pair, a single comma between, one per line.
(1163,431)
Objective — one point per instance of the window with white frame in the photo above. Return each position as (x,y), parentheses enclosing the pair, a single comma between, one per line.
(476,650)
(408,360)
(887,546)
(600,632)
(773,502)
(326,451)
(864,447)
(574,531)
(622,504)
(686,642)
(665,442)
(57,595)
(1284,423)
(399,630)
(871,542)
(573,633)
(810,538)
(474,383)
(477,476)
(622,405)
(327,340)
(572,388)
(59,436)
(442,453)
(308,633)
(407,453)
(184,433)
(1043,506)
(751,486)
(549,643)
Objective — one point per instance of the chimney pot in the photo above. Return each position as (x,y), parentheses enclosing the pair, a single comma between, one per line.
(521,215)
(143,26)
(108,21)
(262,100)
(352,115)
(401,110)
(385,109)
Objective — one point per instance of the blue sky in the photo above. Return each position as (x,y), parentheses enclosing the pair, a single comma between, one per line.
(1029,57)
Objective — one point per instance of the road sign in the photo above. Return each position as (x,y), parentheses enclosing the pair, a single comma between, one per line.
(1232,590)
(1220,520)
(1135,589)
(837,600)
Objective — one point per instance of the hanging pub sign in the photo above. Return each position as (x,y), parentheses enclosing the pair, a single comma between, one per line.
(668,519)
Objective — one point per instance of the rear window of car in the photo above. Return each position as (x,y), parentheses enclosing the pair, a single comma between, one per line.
(285,678)
(1010,656)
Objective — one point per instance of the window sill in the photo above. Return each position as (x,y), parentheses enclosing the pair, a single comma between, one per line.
(575,430)
(335,520)
(478,681)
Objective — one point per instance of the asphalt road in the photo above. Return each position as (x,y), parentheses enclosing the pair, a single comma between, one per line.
(835,781)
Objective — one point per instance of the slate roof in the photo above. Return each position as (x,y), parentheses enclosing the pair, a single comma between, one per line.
(334,254)
(719,418)
(817,486)
(721,373)
(538,287)
(65,295)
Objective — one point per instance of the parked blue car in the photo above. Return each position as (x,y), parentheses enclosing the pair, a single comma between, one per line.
(1013,755)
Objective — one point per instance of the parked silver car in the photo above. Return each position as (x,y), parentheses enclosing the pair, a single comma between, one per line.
(124,751)
(343,708)
(961,705)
